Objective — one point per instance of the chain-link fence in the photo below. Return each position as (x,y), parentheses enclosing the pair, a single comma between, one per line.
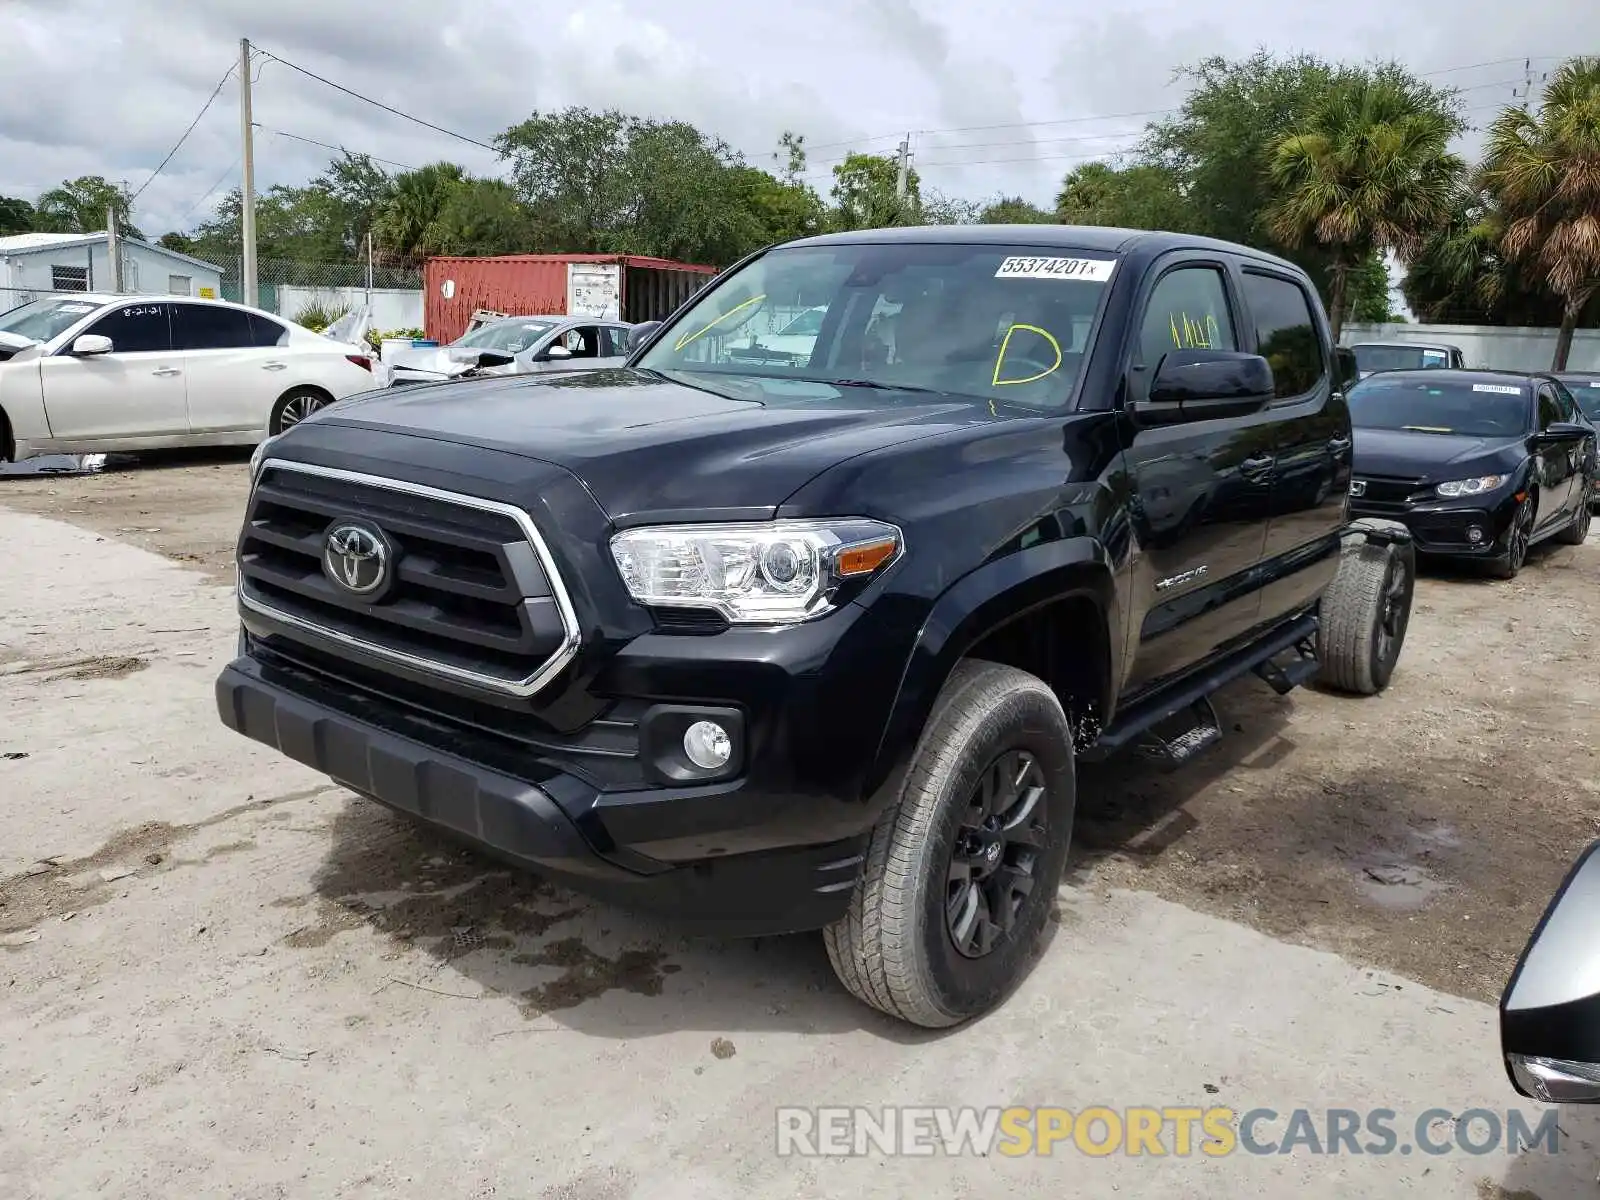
(273,274)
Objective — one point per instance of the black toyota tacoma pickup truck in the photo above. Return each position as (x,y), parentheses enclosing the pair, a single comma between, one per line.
(772,635)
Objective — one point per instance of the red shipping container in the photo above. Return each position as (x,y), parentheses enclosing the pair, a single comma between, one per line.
(521,285)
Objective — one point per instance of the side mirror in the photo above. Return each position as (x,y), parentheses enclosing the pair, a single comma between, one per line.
(556,351)
(89,344)
(1200,385)
(1555,433)
(1348,372)
(1550,1012)
(640,333)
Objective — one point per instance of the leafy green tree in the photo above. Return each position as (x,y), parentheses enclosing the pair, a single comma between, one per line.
(480,217)
(361,189)
(1544,171)
(1136,197)
(16,215)
(80,206)
(939,208)
(406,226)
(1368,170)
(1013,210)
(174,240)
(571,169)
(864,193)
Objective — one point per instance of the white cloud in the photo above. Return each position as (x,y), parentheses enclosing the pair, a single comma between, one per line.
(106,86)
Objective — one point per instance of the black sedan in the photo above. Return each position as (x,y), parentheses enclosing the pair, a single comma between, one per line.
(1479,464)
(1585,389)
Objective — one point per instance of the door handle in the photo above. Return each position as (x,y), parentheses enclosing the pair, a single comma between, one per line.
(164,371)
(1254,467)
(1338,444)
(273,366)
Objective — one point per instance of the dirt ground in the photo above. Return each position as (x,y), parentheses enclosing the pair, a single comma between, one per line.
(304,995)
(1422,831)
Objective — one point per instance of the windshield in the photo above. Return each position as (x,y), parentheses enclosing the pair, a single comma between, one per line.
(42,320)
(512,337)
(1424,406)
(1585,390)
(1005,323)
(1399,358)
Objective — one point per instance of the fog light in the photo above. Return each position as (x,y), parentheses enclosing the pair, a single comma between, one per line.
(1474,535)
(707,745)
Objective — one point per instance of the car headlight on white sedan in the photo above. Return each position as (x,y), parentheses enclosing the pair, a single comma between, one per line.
(1453,488)
(754,573)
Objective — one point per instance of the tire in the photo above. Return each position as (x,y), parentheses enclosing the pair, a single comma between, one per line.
(1518,538)
(8,448)
(294,406)
(1364,616)
(896,947)
(1577,530)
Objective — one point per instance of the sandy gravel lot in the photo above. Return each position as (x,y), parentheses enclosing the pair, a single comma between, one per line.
(222,975)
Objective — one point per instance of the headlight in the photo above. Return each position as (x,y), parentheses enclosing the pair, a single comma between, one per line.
(1470,487)
(756,573)
(259,454)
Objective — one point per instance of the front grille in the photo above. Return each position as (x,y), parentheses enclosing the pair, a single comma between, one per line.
(1390,490)
(475,594)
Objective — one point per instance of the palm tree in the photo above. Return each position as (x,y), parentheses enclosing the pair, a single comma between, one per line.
(1545,173)
(1369,171)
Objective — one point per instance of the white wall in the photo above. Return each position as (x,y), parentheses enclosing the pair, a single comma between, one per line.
(392,308)
(146,271)
(1490,346)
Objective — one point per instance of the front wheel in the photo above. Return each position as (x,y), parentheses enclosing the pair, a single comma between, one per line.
(295,406)
(961,875)
(1518,538)
(1364,616)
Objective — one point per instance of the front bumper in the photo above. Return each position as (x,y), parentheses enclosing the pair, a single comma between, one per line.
(1444,528)
(548,821)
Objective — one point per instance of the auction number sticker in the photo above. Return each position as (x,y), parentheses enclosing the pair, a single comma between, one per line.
(1499,389)
(1029,267)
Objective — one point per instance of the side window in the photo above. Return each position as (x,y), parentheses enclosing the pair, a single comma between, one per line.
(583,341)
(1188,310)
(135,328)
(1286,332)
(1564,403)
(264,331)
(613,342)
(1549,410)
(204,327)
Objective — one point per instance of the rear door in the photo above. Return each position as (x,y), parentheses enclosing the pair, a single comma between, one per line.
(1312,444)
(1557,463)
(233,382)
(1202,488)
(135,391)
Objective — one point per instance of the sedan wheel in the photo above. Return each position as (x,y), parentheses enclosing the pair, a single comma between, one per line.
(295,407)
(1518,538)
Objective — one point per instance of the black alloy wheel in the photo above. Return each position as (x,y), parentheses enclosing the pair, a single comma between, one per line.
(995,850)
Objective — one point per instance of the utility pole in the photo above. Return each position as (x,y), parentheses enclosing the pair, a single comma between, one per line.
(247,181)
(1527,82)
(902,178)
(113,249)
(369,268)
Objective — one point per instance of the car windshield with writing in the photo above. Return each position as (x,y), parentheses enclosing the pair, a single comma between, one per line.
(1399,358)
(1465,408)
(42,320)
(1000,323)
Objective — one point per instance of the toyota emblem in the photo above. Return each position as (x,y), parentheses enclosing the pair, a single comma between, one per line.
(356,558)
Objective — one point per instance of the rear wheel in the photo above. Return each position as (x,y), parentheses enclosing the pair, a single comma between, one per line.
(1518,538)
(1577,531)
(961,875)
(1364,616)
(295,406)
(8,446)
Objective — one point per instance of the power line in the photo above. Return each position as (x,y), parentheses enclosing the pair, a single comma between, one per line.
(215,92)
(210,191)
(339,87)
(329,146)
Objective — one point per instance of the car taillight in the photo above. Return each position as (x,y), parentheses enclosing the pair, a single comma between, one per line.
(364,361)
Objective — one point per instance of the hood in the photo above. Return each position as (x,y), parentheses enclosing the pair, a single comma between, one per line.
(658,448)
(1433,457)
(12,344)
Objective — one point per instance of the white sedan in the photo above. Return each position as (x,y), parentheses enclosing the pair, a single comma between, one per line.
(88,374)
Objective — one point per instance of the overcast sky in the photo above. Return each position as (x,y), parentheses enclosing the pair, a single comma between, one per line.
(1001,97)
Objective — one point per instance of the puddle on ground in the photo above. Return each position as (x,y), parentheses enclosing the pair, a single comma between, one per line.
(1396,884)
(59,464)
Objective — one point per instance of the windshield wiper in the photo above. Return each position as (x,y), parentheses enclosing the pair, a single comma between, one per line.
(874,384)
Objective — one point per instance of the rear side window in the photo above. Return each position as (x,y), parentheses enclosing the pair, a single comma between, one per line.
(135,328)
(203,327)
(1286,332)
(613,342)
(1188,311)
(264,331)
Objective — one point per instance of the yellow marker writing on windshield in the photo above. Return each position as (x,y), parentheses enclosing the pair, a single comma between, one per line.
(1000,358)
(705,329)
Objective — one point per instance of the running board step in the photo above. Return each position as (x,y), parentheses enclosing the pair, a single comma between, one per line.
(1199,730)
(1283,678)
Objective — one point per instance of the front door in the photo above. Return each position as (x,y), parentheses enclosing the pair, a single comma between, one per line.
(1201,489)
(1557,464)
(233,383)
(1313,447)
(137,390)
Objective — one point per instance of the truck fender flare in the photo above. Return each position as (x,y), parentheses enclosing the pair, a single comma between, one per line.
(975,605)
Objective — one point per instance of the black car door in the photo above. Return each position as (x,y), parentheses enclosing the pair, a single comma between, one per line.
(1313,445)
(1555,465)
(1200,488)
